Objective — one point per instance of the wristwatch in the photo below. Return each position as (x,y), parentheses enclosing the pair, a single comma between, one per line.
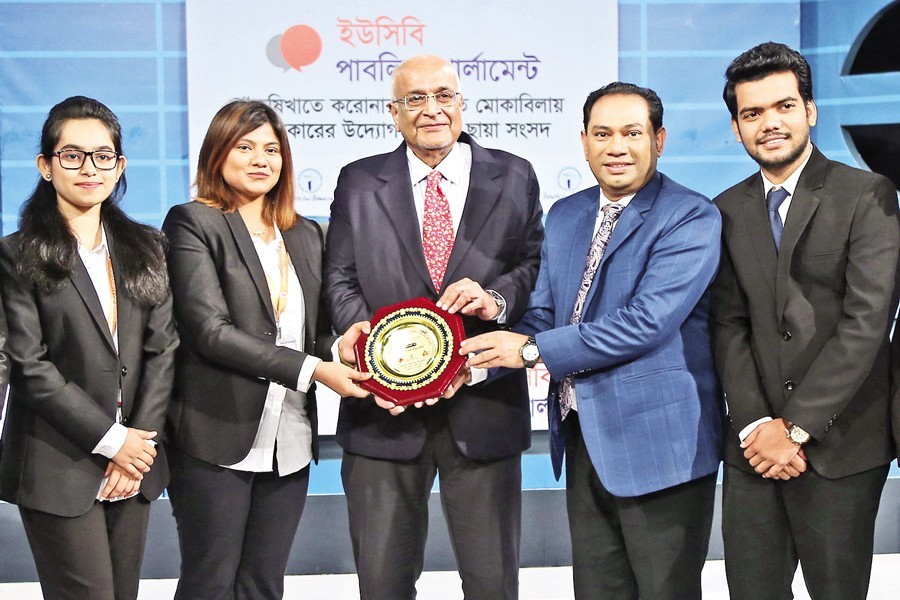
(501,303)
(797,434)
(529,353)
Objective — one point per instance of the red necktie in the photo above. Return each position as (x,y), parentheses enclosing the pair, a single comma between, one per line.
(437,229)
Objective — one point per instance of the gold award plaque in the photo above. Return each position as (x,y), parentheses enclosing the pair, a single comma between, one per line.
(409,349)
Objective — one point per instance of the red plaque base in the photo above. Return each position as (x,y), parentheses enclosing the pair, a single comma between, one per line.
(412,351)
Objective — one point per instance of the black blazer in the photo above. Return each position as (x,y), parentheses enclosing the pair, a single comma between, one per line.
(66,376)
(225,317)
(802,334)
(374,258)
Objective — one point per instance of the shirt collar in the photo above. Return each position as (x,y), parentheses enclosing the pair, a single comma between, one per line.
(100,249)
(258,241)
(452,167)
(789,184)
(623,201)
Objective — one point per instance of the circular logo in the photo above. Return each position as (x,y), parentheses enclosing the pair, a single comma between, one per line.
(569,179)
(309,181)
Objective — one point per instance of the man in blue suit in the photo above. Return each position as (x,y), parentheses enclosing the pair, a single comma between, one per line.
(634,400)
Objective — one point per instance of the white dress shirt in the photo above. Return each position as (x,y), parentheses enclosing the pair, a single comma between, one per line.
(284,426)
(95,263)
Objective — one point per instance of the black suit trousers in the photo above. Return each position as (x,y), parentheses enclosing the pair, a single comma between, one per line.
(96,555)
(652,546)
(235,529)
(826,524)
(388,509)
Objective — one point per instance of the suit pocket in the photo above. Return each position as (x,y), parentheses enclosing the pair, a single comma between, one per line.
(824,256)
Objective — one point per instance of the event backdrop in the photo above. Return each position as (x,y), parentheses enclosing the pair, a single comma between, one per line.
(326,69)
(133,55)
(136,56)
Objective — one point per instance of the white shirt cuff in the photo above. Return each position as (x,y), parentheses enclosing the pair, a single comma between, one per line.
(478,375)
(749,428)
(110,444)
(304,380)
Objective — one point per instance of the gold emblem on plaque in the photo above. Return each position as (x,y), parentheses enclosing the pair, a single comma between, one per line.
(409,349)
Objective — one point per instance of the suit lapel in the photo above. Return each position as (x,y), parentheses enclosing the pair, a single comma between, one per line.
(396,200)
(481,198)
(302,254)
(250,258)
(630,220)
(760,233)
(85,288)
(804,204)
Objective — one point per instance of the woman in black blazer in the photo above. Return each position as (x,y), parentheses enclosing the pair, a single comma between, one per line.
(92,343)
(246,278)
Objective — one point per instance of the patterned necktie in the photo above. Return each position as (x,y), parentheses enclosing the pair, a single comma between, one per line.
(611,214)
(437,229)
(774,199)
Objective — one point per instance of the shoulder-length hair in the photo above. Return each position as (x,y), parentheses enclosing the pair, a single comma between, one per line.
(233,121)
(48,249)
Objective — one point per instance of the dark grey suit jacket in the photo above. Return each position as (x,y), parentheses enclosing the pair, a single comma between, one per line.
(224,315)
(802,334)
(374,258)
(66,376)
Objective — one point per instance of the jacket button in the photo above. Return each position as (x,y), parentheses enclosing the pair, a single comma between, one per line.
(124,371)
(789,385)
(787,336)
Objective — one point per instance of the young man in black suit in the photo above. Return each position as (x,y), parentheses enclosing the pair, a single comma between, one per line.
(803,304)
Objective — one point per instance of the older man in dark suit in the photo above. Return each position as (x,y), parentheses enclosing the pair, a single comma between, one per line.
(803,304)
(444,218)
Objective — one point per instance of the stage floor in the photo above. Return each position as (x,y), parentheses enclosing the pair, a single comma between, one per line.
(534,584)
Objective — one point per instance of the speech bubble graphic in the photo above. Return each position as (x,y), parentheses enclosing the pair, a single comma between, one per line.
(273,53)
(301,46)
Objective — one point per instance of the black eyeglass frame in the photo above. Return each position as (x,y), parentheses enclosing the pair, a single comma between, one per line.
(84,157)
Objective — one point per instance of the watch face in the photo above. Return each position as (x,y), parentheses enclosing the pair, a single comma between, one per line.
(530,352)
(798,435)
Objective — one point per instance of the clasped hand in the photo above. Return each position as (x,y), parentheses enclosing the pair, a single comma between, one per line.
(771,453)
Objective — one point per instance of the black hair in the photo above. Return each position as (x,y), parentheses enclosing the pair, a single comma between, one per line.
(760,62)
(617,87)
(47,247)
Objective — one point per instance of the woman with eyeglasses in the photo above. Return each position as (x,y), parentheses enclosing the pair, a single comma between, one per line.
(92,343)
(246,279)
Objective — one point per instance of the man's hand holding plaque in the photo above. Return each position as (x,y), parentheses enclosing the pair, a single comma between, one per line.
(411,350)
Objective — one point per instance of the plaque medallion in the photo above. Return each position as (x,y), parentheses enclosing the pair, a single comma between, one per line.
(412,351)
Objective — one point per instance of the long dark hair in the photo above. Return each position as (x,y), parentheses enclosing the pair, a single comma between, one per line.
(47,247)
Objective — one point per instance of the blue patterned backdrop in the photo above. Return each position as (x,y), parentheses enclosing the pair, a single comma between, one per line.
(131,55)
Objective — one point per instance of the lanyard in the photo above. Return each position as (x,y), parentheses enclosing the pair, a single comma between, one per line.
(279,299)
(112,319)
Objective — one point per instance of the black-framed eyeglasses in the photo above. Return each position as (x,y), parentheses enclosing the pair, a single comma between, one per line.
(105,160)
(418,101)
